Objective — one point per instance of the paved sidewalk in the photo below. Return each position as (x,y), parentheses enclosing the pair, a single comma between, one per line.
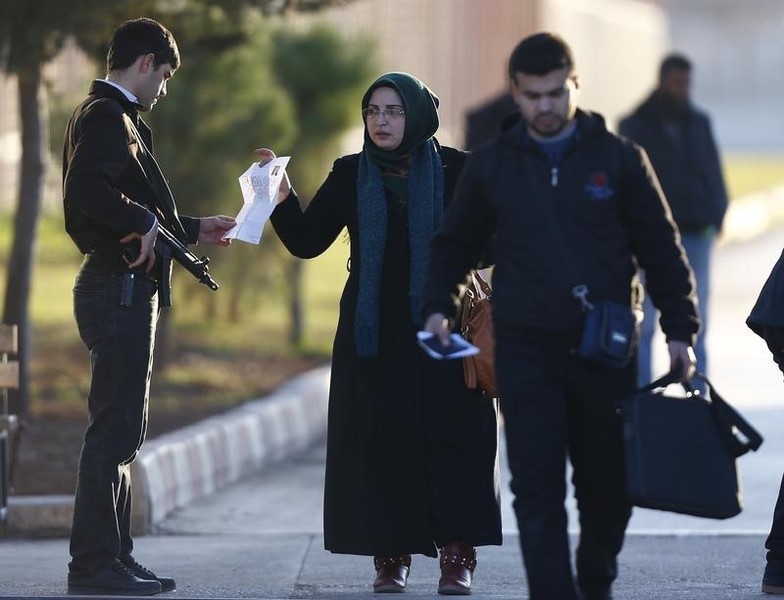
(261,539)
(294,565)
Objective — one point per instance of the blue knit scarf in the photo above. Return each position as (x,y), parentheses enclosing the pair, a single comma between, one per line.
(425,205)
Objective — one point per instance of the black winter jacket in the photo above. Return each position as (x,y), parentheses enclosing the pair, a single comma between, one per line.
(611,214)
(106,190)
(686,162)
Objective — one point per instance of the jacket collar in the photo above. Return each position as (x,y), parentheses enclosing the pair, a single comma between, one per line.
(102,89)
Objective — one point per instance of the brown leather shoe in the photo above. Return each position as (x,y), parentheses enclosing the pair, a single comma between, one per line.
(458,561)
(391,573)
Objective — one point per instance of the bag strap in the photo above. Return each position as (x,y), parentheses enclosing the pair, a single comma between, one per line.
(728,421)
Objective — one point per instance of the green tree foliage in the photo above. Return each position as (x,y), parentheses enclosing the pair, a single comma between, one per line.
(291,90)
(325,77)
(31,34)
(220,105)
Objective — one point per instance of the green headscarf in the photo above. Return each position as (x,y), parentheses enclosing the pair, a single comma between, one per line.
(421,106)
(418,178)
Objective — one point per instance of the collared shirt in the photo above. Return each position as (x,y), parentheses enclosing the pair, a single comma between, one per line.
(125,92)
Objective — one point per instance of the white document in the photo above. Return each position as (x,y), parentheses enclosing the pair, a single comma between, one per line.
(259,187)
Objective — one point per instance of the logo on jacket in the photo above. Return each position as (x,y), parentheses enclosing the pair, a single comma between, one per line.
(598,188)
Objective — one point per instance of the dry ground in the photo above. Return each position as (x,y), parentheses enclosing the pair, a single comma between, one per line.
(51,437)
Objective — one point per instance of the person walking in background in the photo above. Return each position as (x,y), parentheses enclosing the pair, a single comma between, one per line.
(766,319)
(483,123)
(411,452)
(679,141)
(559,168)
(115,197)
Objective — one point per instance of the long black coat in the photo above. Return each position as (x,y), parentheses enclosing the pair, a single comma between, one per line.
(411,452)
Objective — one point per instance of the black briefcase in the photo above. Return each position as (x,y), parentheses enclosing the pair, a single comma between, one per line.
(681,451)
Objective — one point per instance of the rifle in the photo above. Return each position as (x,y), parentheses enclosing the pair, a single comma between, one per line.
(167,246)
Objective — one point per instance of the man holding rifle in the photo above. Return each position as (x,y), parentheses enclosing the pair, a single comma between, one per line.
(117,206)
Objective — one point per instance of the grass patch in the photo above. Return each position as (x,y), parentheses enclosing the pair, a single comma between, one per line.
(214,364)
(747,173)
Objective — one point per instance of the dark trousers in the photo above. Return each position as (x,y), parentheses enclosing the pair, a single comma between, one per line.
(557,406)
(120,340)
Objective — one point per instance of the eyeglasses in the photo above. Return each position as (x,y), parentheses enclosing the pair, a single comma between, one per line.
(389,113)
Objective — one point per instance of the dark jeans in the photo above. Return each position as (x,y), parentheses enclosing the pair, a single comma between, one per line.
(555,405)
(120,341)
(699,249)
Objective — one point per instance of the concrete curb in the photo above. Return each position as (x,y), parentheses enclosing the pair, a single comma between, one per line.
(39,516)
(180,467)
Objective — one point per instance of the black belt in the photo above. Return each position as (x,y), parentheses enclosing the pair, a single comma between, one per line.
(115,264)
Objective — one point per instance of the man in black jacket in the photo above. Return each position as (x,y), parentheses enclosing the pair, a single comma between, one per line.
(679,141)
(483,123)
(115,197)
(559,174)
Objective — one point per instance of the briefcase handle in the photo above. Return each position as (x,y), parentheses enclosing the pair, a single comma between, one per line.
(728,420)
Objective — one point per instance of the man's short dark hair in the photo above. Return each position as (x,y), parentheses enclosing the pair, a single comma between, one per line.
(539,54)
(138,37)
(673,62)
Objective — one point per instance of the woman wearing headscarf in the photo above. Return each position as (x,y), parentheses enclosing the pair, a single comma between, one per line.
(411,452)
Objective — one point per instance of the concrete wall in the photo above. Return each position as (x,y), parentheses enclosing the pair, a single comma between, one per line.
(10,142)
(738,55)
(617,45)
(460,47)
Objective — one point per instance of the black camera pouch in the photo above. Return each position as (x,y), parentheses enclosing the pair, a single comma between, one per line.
(610,334)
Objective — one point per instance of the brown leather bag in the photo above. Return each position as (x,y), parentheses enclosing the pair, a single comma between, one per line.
(476,326)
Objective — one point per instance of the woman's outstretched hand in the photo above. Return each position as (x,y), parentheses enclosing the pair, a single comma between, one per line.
(265,155)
